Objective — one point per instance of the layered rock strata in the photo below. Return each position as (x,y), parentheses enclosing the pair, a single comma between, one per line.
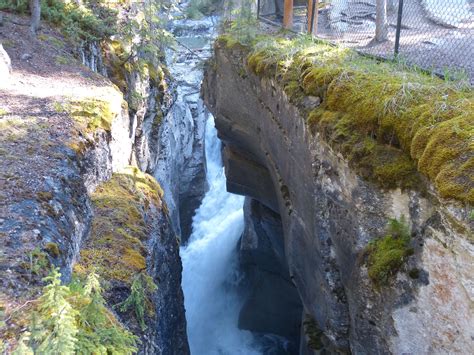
(329,214)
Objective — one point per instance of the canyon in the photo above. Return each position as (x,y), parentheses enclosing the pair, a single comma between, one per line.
(203,178)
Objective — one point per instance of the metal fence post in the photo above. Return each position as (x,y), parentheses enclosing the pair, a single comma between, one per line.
(313,16)
(399,27)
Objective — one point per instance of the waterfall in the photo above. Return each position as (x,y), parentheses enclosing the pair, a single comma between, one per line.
(210,265)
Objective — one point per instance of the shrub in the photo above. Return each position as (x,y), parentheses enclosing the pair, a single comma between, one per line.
(199,8)
(88,22)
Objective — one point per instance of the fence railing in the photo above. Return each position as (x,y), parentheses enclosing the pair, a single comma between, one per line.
(436,35)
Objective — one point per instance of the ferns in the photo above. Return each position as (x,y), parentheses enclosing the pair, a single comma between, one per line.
(74,319)
(398,228)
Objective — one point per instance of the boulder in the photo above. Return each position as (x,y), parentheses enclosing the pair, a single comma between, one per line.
(5,64)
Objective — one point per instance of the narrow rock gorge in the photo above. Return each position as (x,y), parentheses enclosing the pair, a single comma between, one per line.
(172,182)
(310,217)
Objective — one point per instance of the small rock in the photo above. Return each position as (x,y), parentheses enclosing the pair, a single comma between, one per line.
(26,56)
(5,63)
(311,102)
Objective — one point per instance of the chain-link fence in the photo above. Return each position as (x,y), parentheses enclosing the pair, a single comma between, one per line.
(437,35)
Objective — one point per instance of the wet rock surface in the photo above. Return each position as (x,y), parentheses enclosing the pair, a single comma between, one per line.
(272,304)
(180,168)
(169,329)
(329,214)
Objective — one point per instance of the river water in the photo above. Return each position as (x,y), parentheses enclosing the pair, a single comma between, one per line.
(211,281)
(210,274)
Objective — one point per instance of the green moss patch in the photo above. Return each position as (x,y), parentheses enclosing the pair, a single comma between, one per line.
(313,333)
(52,249)
(391,122)
(386,255)
(116,246)
(91,114)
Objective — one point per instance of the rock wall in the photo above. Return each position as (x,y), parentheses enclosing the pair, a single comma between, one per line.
(133,139)
(272,305)
(329,215)
(132,202)
(181,165)
(83,132)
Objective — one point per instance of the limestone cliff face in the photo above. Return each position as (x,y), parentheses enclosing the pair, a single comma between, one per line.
(271,304)
(181,165)
(83,133)
(329,215)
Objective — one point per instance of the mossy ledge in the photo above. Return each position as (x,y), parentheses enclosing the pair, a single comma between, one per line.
(117,246)
(395,125)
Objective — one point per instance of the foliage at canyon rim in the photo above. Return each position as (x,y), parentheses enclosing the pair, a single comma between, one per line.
(73,318)
(132,33)
(93,21)
(420,125)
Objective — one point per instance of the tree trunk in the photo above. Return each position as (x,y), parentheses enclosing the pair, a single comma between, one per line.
(288,14)
(392,6)
(381,24)
(35,9)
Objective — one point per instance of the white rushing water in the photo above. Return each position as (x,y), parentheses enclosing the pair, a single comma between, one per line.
(210,263)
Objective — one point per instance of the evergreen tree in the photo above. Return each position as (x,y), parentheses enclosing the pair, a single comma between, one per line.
(58,318)
(74,319)
(139,299)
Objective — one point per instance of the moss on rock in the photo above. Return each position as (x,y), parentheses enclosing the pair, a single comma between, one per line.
(116,248)
(92,114)
(386,255)
(391,122)
(52,249)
